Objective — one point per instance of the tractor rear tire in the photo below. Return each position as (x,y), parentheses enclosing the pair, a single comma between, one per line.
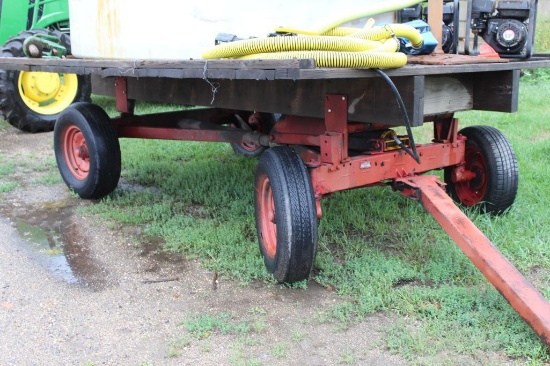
(31,101)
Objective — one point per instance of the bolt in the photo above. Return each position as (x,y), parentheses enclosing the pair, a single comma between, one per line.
(34,51)
(330,110)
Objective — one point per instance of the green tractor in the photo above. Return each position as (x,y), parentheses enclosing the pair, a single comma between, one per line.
(31,101)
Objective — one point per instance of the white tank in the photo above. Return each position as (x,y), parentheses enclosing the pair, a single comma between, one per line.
(184,29)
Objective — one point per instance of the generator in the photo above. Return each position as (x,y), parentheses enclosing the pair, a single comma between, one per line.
(507,26)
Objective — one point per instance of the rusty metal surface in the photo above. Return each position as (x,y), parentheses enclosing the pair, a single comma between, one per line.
(526,300)
(123,104)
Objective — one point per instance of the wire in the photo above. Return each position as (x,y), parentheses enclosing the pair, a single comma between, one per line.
(414,152)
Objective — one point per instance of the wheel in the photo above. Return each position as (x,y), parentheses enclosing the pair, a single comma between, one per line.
(87,150)
(31,101)
(286,215)
(262,122)
(490,174)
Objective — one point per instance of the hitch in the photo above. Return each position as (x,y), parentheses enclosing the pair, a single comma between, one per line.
(526,300)
(43,45)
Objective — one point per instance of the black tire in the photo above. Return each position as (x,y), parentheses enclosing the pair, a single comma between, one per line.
(266,123)
(13,107)
(87,150)
(286,215)
(489,155)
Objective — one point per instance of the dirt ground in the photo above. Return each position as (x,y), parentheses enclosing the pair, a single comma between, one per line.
(76,291)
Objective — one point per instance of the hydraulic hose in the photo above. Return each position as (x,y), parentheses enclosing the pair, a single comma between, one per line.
(414,153)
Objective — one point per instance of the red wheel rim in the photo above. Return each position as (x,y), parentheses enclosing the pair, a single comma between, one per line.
(473,191)
(268,225)
(76,152)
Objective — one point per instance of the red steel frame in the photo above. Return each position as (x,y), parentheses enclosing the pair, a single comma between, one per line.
(332,170)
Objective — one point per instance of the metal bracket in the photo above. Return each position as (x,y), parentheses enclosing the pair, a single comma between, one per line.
(123,103)
(334,144)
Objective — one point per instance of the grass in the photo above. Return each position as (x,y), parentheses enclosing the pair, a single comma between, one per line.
(380,251)
(376,248)
(204,325)
(7,168)
(279,350)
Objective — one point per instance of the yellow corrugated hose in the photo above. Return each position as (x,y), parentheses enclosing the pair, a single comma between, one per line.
(333,46)
(355,60)
(359,48)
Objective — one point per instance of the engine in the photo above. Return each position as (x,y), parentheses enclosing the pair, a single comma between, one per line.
(507,26)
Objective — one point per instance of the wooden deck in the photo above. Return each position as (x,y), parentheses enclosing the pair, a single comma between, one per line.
(429,86)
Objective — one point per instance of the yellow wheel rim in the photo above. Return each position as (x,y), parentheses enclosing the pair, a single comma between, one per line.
(47,92)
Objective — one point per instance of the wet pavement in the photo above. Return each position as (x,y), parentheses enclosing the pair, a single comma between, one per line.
(52,237)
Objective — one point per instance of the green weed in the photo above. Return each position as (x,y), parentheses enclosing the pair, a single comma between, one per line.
(8,186)
(203,326)
(7,168)
(177,345)
(49,179)
(239,355)
(298,336)
(279,350)
(347,358)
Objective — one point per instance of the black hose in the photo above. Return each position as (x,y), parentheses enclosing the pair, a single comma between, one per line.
(413,153)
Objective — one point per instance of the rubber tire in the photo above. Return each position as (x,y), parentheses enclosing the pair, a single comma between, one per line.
(12,107)
(491,156)
(295,215)
(102,146)
(268,121)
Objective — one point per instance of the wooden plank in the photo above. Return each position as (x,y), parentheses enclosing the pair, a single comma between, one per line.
(255,74)
(286,69)
(370,100)
(166,64)
(445,94)
(419,99)
(497,91)
(451,59)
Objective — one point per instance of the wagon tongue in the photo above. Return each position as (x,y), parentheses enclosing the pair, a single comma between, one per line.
(522,295)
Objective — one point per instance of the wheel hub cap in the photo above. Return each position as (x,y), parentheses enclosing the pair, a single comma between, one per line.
(76,153)
(47,93)
(268,225)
